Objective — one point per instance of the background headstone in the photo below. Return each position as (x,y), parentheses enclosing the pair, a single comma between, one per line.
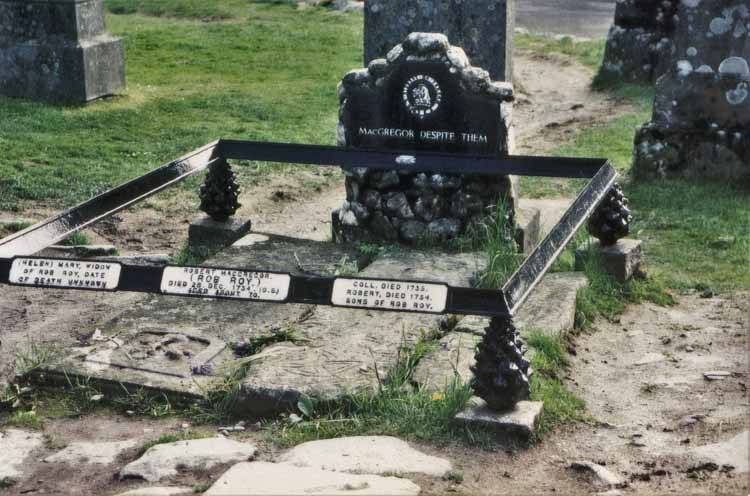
(483,28)
(701,117)
(58,50)
(424,96)
(639,45)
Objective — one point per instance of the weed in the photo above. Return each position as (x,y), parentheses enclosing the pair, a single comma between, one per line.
(549,357)
(76,239)
(456,476)
(187,435)
(222,395)
(27,420)
(14,227)
(201,488)
(80,397)
(35,357)
(53,442)
(7,483)
(255,345)
(143,402)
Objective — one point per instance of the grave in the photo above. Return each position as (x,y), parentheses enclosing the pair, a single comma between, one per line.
(639,45)
(297,316)
(701,112)
(484,28)
(58,51)
(425,95)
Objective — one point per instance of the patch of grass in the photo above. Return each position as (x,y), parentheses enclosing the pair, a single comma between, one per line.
(143,402)
(187,435)
(397,408)
(191,9)
(269,75)
(79,397)
(24,420)
(606,297)
(7,483)
(76,239)
(589,52)
(560,405)
(36,356)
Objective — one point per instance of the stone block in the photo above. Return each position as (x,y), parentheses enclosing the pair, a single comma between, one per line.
(483,28)
(551,307)
(622,259)
(58,51)
(517,425)
(206,232)
(450,361)
(528,228)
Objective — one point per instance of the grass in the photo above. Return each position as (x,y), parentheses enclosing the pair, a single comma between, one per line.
(24,420)
(188,84)
(397,408)
(560,405)
(589,53)
(35,356)
(187,435)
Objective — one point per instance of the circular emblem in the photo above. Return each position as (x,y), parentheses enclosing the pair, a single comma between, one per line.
(422,96)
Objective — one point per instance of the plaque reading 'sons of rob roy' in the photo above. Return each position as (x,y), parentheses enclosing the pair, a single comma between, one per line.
(425,96)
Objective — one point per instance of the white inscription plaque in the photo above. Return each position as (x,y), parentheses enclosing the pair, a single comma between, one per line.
(76,274)
(225,283)
(390,295)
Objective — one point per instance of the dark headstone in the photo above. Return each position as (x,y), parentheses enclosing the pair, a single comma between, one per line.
(483,28)
(701,111)
(425,96)
(58,50)
(639,45)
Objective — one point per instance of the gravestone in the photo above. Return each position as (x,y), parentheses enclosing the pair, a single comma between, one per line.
(639,45)
(424,96)
(701,113)
(484,28)
(58,51)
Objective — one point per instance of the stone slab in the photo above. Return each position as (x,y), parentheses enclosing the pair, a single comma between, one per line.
(82,251)
(734,452)
(550,211)
(92,453)
(550,308)
(179,345)
(341,350)
(517,425)
(484,28)
(378,455)
(15,448)
(622,260)
(206,232)
(266,479)
(165,460)
(449,363)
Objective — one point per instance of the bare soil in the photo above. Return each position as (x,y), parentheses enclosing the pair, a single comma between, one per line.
(637,408)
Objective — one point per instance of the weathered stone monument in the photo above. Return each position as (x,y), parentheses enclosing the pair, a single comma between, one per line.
(639,45)
(483,28)
(701,114)
(58,51)
(424,96)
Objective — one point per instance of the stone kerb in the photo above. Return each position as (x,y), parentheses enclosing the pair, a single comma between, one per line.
(425,95)
(701,112)
(59,51)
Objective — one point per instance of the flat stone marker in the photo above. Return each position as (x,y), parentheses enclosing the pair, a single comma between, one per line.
(15,448)
(516,425)
(165,460)
(622,260)
(266,479)
(92,453)
(550,309)
(366,455)
(341,349)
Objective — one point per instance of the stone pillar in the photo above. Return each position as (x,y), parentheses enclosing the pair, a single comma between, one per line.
(483,28)
(425,96)
(639,45)
(701,117)
(58,51)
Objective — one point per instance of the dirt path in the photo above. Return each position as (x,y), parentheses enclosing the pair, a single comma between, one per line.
(638,404)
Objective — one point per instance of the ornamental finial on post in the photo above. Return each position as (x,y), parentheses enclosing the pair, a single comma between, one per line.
(220,191)
(611,219)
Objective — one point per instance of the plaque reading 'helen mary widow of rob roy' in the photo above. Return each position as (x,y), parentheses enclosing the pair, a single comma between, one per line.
(425,96)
